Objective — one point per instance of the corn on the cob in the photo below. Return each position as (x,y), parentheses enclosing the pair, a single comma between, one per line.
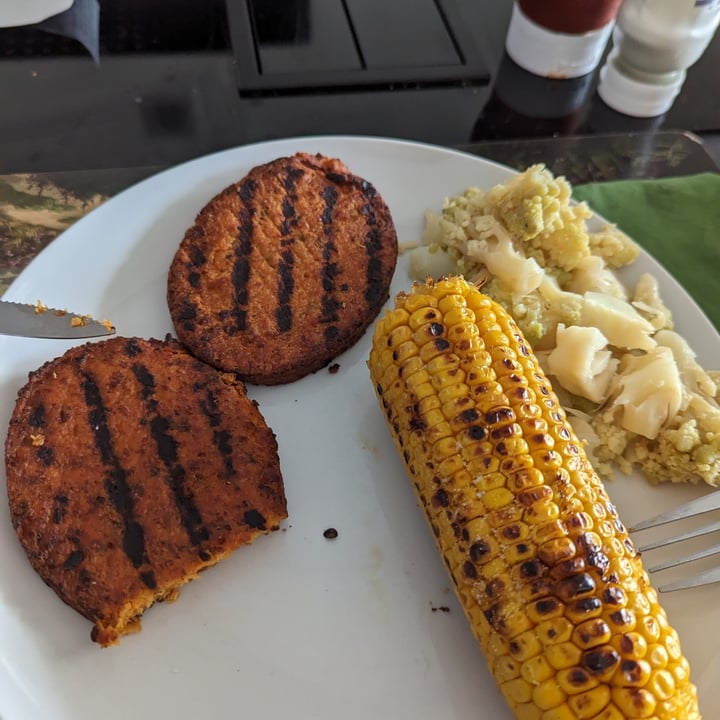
(551,584)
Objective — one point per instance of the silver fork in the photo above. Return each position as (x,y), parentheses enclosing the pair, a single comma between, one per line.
(698,506)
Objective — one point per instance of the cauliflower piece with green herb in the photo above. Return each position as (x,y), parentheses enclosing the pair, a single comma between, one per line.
(528,310)
(537,313)
(494,249)
(614,246)
(536,209)
(686,453)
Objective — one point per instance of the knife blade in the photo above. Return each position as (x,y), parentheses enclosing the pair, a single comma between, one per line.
(39,321)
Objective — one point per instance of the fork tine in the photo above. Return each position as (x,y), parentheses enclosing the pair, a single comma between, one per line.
(705,552)
(703,578)
(703,504)
(697,532)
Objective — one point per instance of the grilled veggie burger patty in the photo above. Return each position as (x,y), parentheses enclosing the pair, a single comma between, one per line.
(132,466)
(284,270)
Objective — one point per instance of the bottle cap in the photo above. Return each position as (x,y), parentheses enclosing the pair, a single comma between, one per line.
(554,54)
(634,97)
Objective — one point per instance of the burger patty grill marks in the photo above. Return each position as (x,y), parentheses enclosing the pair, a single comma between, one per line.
(330,270)
(243,248)
(221,437)
(286,263)
(116,483)
(167,448)
(290,221)
(37,419)
(375,287)
(285,288)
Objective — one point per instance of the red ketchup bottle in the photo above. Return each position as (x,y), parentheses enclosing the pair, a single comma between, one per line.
(560,38)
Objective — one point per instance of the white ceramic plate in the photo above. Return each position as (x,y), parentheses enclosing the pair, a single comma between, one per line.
(295,625)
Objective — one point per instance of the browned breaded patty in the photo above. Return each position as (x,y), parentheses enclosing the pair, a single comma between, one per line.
(284,270)
(131,466)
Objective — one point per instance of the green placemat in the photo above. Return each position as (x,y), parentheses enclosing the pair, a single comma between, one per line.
(677,220)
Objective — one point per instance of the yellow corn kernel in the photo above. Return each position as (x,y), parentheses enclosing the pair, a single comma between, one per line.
(548,694)
(506,669)
(662,684)
(536,669)
(550,582)
(527,711)
(657,656)
(525,646)
(563,655)
(561,712)
(516,691)
(589,704)
(635,702)
(610,712)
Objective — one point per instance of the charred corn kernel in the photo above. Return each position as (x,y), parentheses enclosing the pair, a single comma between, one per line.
(592,633)
(635,702)
(576,680)
(632,645)
(633,673)
(610,712)
(589,704)
(525,646)
(601,662)
(506,669)
(550,582)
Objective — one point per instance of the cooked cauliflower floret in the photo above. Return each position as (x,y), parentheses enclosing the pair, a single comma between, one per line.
(647,393)
(682,454)
(528,311)
(694,378)
(581,362)
(535,207)
(591,274)
(614,246)
(646,300)
(431,260)
(618,321)
(679,454)
(565,244)
(520,274)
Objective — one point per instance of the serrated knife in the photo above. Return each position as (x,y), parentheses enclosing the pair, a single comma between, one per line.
(38,321)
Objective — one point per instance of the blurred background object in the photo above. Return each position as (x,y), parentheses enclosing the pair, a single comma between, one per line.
(560,38)
(169,84)
(655,42)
